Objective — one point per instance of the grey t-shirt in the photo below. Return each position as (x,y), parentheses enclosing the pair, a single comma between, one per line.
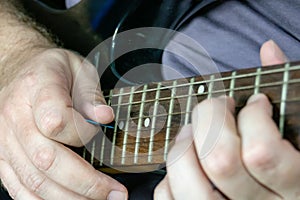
(232,33)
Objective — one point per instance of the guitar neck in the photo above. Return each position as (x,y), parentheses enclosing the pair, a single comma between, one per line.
(148,117)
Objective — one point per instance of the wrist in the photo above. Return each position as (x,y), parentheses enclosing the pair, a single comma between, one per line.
(20,40)
(13,62)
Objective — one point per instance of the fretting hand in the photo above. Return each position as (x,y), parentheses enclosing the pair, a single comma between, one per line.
(250,160)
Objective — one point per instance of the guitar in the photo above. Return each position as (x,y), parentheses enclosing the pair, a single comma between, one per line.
(148,117)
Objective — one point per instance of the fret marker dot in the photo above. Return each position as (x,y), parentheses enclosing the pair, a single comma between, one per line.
(201,89)
(121,125)
(147,122)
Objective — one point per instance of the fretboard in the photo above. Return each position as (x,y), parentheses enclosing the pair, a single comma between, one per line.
(148,117)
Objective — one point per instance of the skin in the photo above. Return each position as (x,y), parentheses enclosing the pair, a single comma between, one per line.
(39,112)
(44,100)
(240,165)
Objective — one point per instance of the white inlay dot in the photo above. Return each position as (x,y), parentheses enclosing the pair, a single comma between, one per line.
(201,89)
(147,122)
(121,125)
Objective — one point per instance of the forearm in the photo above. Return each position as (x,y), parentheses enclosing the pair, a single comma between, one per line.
(20,38)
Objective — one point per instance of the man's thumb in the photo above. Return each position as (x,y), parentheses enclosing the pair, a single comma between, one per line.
(271,54)
(87,96)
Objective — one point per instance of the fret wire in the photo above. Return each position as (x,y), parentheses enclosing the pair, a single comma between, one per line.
(165,140)
(180,113)
(169,120)
(287,100)
(133,144)
(115,128)
(136,150)
(211,86)
(153,123)
(93,152)
(257,81)
(96,64)
(285,81)
(153,155)
(150,129)
(140,156)
(104,132)
(84,154)
(188,104)
(283,98)
(253,74)
(177,113)
(232,84)
(102,148)
(219,91)
(165,154)
(127,126)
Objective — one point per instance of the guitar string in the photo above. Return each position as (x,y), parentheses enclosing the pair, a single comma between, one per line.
(134,143)
(182,85)
(203,95)
(155,152)
(129,144)
(237,76)
(291,100)
(130,162)
(132,157)
(238,89)
(147,129)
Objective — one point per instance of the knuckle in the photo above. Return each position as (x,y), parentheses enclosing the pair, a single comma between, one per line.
(60,56)
(44,158)
(222,164)
(259,157)
(93,187)
(35,182)
(51,123)
(97,186)
(30,79)
(53,53)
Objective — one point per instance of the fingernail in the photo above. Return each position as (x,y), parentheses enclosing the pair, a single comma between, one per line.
(278,52)
(224,96)
(256,97)
(106,109)
(116,195)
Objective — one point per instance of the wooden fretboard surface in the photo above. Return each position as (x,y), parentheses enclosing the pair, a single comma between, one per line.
(148,117)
